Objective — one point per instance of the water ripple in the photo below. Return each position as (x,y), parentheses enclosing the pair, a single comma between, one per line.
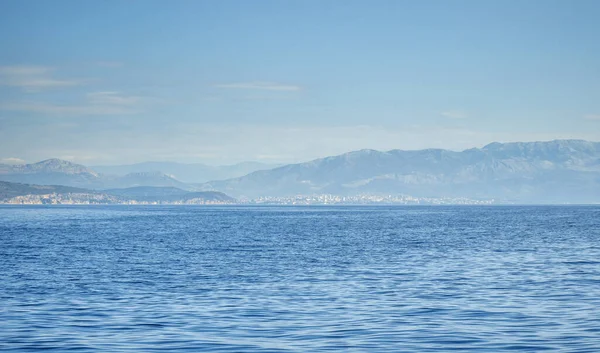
(298,279)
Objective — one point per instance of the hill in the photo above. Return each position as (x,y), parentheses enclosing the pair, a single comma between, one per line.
(187,173)
(10,190)
(56,194)
(168,194)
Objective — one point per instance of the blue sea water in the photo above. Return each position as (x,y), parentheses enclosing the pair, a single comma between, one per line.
(299,279)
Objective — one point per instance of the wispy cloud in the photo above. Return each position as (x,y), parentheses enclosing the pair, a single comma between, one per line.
(259,85)
(12,160)
(112,98)
(454,114)
(46,108)
(33,78)
(595,117)
(20,70)
(96,103)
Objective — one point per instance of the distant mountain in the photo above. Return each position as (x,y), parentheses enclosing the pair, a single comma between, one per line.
(53,165)
(145,179)
(28,193)
(188,173)
(51,172)
(554,171)
(59,172)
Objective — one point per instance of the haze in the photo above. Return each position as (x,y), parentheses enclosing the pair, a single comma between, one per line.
(220,82)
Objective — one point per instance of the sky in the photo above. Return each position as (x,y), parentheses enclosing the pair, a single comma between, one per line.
(220,82)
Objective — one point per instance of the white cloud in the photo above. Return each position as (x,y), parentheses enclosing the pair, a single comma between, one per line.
(90,109)
(20,70)
(12,160)
(97,103)
(259,85)
(37,84)
(595,117)
(33,78)
(454,114)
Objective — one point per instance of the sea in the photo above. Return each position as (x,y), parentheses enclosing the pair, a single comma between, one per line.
(300,279)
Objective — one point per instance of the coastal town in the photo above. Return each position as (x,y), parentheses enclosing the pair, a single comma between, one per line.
(99,199)
(323,199)
(365,199)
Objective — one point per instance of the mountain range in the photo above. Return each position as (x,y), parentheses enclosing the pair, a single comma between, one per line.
(59,172)
(160,174)
(556,171)
(545,172)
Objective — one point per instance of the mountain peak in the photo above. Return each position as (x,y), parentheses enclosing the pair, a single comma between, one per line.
(361,153)
(55,161)
(58,166)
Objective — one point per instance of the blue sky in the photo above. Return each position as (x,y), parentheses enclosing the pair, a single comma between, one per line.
(109,82)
